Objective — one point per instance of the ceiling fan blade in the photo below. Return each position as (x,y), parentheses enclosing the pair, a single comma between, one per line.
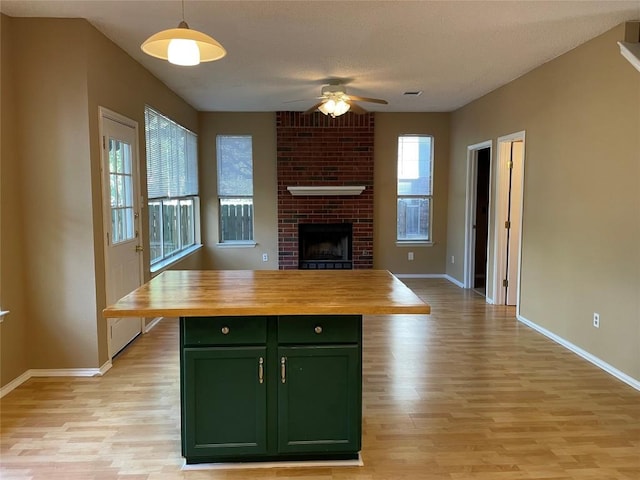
(312,109)
(366,99)
(304,99)
(355,108)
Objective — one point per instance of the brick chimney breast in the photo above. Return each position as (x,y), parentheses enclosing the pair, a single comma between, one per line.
(317,150)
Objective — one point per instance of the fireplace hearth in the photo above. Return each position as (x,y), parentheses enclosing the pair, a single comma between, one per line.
(325,246)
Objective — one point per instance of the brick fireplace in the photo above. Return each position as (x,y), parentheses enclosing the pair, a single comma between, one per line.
(319,151)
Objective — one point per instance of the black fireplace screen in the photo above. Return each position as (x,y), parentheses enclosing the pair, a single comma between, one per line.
(325,246)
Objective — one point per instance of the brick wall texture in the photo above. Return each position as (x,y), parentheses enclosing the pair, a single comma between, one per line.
(317,150)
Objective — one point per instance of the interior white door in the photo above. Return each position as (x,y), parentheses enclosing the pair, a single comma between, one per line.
(123,258)
(515,218)
(508,211)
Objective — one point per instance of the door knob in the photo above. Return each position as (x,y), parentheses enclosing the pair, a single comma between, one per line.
(139,248)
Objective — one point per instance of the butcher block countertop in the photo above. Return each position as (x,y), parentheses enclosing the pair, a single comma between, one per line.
(185,293)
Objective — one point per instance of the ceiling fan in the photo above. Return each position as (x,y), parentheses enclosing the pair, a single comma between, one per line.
(334,101)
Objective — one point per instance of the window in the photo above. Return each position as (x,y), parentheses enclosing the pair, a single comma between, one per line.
(121,188)
(415,178)
(235,188)
(172,188)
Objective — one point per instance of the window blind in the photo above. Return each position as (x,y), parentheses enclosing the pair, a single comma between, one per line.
(172,157)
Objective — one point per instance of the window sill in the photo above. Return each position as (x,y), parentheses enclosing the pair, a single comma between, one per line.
(236,245)
(159,267)
(410,243)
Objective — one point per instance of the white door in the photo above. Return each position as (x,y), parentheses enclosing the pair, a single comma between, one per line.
(508,219)
(515,220)
(123,258)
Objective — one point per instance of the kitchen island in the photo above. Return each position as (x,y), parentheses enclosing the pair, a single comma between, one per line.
(270,360)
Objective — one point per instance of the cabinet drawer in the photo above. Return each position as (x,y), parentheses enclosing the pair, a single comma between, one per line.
(200,331)
(302,329)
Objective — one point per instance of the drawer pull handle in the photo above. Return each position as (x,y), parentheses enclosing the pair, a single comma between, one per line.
(261,370)
(283,369)
(225,330)
(318,329)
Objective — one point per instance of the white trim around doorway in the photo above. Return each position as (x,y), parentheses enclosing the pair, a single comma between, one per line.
(472,175)
(500,210)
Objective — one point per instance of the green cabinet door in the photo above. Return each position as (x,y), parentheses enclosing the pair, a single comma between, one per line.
(319,399)
(224,402)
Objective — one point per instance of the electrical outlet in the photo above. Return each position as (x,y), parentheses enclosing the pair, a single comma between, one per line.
(410,256)
(265,257)
(596,320)
(453,259)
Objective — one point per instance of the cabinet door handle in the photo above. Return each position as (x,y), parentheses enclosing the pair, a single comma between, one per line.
(283,369)
(261,370)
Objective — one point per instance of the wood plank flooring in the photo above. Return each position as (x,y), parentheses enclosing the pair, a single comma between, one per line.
(464,393)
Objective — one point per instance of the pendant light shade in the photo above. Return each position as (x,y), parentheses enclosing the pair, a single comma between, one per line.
(183,46)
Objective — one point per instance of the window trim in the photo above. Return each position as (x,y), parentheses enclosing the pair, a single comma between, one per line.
(410,242)
(246,243)
(163,265)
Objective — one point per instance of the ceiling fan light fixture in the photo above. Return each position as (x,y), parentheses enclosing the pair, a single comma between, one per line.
(334,108)
(183,46)
(342,107)
(327,107)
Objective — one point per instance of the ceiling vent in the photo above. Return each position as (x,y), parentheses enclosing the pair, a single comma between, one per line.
(630,48)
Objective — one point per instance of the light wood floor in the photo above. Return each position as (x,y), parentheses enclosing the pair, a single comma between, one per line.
(464,393)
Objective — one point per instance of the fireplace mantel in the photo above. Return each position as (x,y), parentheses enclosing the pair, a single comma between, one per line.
(326,190)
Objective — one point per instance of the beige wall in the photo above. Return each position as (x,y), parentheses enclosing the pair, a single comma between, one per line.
(13,358)
(581,224)
(61,70)
(120,84)
(386,254)
(52,136)
(262,127)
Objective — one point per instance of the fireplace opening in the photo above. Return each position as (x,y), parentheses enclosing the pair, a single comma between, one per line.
(325,246)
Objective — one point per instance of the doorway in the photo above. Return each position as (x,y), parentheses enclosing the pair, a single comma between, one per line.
(121,211)
(483,163)
(508,224)
(478,216)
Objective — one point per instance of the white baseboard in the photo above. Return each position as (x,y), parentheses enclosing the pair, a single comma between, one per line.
(152,324)
(610,369)
(60,372)
(105,368)
(430,275)
(65,372)
(15,383)
(454,281)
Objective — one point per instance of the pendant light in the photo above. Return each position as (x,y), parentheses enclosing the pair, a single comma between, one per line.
(183,46)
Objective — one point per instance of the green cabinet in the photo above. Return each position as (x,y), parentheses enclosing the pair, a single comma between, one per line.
(271,388)
(319,399)
(225,408)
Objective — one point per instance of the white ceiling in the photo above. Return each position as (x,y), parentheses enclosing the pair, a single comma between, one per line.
(279,51)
